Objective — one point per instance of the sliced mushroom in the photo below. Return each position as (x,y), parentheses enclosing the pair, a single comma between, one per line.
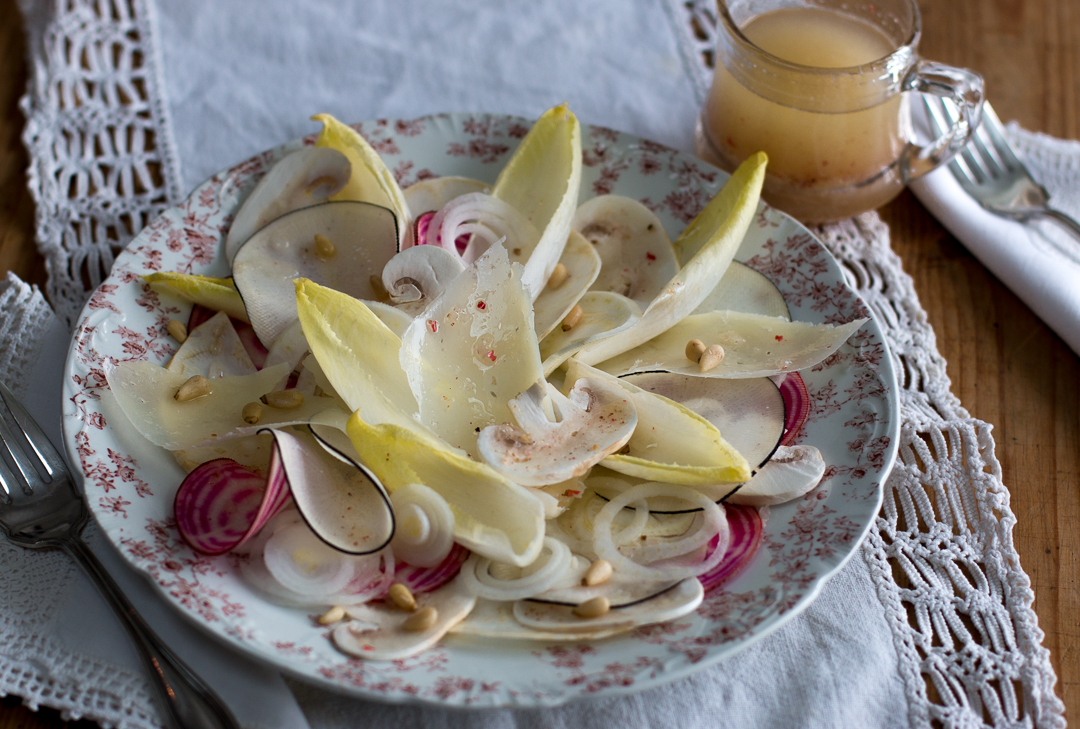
(790,473)
(306,177)
(418,275)
(741,288)
(604,314)
(596,420)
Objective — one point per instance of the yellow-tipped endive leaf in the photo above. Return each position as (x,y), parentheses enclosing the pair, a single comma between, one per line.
(671,443)
(357,353)
(219,294)
(542,180)
(472,351)
(371,180)
(707,246)
(146,393)
(754,346)
(555,302)
(492,515)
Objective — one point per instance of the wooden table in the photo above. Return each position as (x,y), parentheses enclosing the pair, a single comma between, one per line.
(1005,365)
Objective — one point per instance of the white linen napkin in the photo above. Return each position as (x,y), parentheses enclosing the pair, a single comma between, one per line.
(1039,261)
(79,621)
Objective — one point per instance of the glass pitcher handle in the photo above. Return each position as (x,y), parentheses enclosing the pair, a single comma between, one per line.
(965,89)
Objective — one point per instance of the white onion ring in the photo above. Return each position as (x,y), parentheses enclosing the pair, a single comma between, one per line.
(303,563)
(634,529)
(436,522)
(477,578)
(713,524)
(486,219)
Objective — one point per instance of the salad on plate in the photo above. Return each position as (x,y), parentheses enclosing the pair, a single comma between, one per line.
(481,409)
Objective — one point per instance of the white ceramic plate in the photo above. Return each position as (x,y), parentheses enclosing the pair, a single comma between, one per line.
(130,483)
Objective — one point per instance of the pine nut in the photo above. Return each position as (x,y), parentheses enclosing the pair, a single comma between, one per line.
(558,276)
(284,399)
(177,330)
(334,615)
(593,608)
(573,318)
(598,572)
(252,413)
(324,246)
(712,356)
(421,620)
(197,386)
(694,349)
(402,596)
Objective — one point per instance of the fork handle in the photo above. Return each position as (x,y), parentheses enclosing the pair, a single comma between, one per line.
(186,702)
(1065,221)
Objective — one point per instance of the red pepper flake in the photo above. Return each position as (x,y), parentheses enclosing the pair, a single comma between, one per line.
(368,648)
(571,492)
(491,355)
(481,305)
(650,256)
(433,325)
(779,337)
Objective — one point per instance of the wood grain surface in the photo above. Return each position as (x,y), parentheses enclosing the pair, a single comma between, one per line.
(1006,367)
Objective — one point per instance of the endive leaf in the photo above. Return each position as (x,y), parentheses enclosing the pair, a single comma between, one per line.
(219,294)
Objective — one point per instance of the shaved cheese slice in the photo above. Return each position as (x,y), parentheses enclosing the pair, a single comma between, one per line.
(213,349)
(146,393)
(492,515)
(554,303)
(473,351)
(672,443)
(754,346)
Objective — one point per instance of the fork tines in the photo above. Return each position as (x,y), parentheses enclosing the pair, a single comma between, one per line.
(22,438)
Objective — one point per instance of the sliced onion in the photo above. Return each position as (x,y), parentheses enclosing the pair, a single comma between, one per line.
(479,580)
(425,525)
(747,528)
(485,219)
(221,504)
(796,405)
(301,562)
(713,524)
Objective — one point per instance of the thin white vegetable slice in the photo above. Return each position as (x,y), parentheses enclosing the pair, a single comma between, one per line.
(554,303)
(754,346)
(542,180)
(604,314)
(714,237)
(481,220)
(357,353)
(432,194)
(596,419)
(394,318)
(620,590)
(376,631)
(417,276)
(792,472)
(713,525)
(672,443)
(425,525)
(298,560)
(212,350)
(681,599)
(371,180)
(637,256)
(491,619)
(341,501)
(473,351)
(252,451)
(750,413)
(744,289)
(305,177)
(493,516)
(146,393)
(290,347)
(363,238)
(477,578)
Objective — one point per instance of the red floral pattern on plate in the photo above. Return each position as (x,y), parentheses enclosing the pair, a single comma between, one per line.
(130,483)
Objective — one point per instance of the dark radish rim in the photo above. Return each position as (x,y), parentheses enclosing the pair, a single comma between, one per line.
(726,496)
(397,237)
(378,488)
(658,593)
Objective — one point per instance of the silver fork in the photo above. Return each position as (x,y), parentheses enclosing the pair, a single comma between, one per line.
(40,508)
(990,172)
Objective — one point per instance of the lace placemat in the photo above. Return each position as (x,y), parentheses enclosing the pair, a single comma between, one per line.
(941,552)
